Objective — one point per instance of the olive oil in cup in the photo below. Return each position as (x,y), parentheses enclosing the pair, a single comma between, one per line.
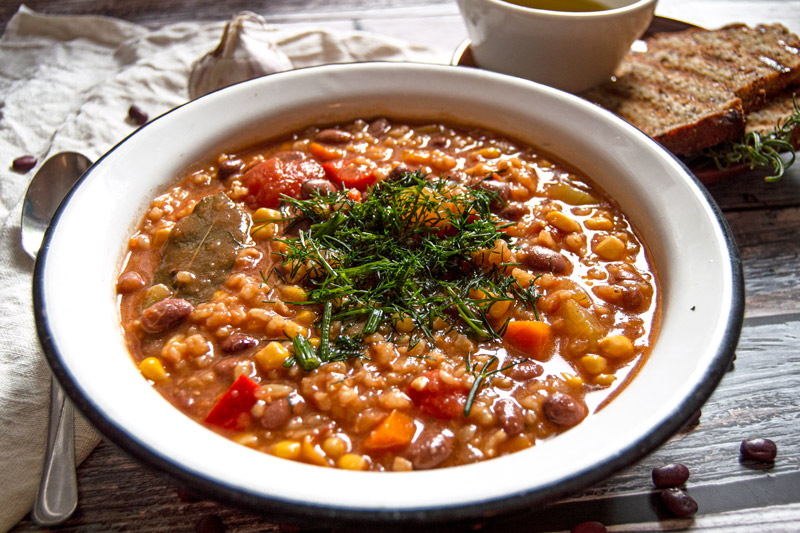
(560,43)
(561,5)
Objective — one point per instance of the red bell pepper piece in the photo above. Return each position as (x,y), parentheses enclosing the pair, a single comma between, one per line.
(237,401)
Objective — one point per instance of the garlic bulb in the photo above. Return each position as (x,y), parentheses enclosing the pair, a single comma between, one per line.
(244,52)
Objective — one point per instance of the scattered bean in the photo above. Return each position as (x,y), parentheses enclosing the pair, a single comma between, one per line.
(238,342)
(430,450)
(334,136)
(589,527)
(210,523)
(24,163)
(228,167)
(670,475)
(679,502)
(545,259)
(276,414)
(759,449)
(509,415)
(563,409)
(130,281)
(315,186)
(137,115)
(165,314)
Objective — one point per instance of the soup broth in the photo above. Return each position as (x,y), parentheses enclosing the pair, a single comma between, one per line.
(384,295)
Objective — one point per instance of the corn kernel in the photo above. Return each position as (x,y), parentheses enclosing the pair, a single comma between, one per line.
(286,449)
(610,249)
(594,364)
(562,221)
(310,453)
(604,380)
(334,446)
(272,356)
(598,224)
(292,329)
(293,293)
(499,308)
(404,325)
(152,369)
(489,152)
(616,346)
(306,317)
(352,461)
(573,381)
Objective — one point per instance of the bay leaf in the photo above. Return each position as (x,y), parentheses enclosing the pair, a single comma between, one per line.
(203,247)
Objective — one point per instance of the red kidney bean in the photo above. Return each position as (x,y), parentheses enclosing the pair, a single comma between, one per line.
(759,449)
(226,367)
(24,163)
(547,260)
(563,409)
(316,186)
(679,502)
(670,475)
(524,371)
(509,415)
(276,414)
(430,450)
(397,173)
(238,342)
(589,527)
(137,115)
(334,136)
(210,523)
(229,167)
(165,314)
(378,127)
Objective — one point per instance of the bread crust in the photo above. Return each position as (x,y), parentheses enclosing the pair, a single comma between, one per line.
(693,89)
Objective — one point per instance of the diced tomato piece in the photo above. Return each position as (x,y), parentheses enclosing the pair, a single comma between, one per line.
(274,177)
(237,401)
(350,174)
(436,397)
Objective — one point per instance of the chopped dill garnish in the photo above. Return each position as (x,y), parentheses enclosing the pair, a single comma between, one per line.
(407,251)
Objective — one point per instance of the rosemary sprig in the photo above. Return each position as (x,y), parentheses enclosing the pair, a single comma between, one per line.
(760,149)
(483,375)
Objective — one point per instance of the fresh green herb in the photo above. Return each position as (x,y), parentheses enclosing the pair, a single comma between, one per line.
(484,374)
(304,353)
(760,149)
(406,251)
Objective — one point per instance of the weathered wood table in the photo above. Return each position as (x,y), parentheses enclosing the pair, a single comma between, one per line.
(759,397)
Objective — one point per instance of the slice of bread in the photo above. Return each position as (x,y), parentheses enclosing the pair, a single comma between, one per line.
(693,89)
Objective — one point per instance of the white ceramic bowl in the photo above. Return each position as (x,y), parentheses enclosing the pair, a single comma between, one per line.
(701,284)
(573,51)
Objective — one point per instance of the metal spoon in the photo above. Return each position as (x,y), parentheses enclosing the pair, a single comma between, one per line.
(58,488)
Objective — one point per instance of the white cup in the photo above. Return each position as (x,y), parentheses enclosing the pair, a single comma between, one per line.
(573,51)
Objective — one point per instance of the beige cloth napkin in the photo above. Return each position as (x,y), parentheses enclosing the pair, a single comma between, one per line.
(66,83)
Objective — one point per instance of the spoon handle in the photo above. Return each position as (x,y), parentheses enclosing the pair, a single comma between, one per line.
(58,488)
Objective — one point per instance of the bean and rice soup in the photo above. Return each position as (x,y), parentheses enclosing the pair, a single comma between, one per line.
(386,295)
